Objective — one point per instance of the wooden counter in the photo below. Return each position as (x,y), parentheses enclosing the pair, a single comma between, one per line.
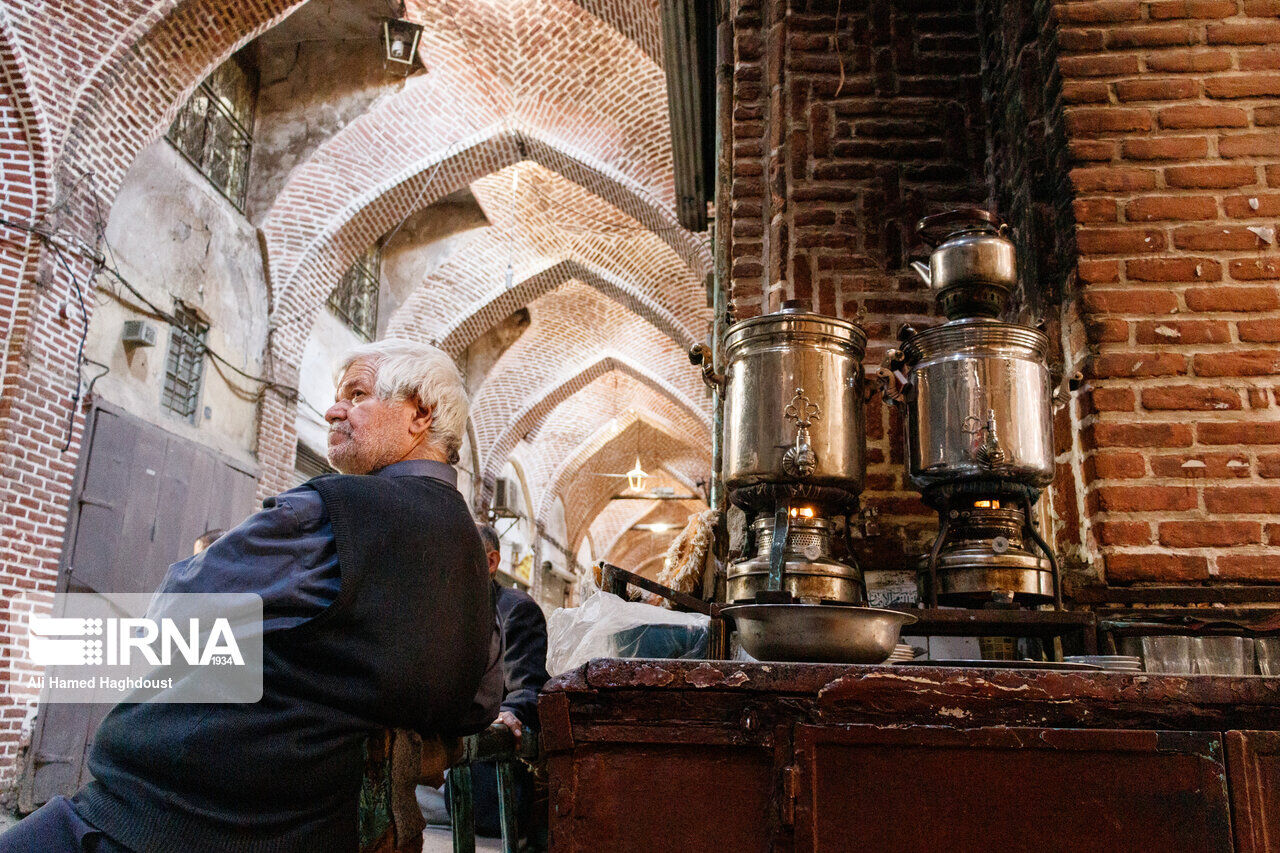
(692,756)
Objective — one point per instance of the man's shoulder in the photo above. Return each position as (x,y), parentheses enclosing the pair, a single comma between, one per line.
(372,485)
(515,596)
(512,601)
(301,505)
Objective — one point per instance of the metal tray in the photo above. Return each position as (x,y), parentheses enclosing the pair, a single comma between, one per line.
(817,633)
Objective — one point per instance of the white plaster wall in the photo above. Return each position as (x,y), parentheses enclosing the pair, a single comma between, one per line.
(556,530)
(555,588)
(517,534)
(466,469)
(319,70)
(172,235)
(421,244)
(330,340)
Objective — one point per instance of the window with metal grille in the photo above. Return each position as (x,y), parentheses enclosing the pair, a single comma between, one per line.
(214,129)
(355,299)
(184,367)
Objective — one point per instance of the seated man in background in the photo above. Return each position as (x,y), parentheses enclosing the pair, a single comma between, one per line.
(377,614)
(524,669)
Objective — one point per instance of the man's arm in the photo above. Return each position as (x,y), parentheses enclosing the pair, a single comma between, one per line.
(486,702)
(284,553)
(524,660)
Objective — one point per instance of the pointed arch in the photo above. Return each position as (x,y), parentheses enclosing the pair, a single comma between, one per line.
(548,398)
(475,320)
(590,448)
(310,255)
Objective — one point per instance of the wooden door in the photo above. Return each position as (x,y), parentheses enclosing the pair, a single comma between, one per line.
(141,497)
(922,789)
(1253,761)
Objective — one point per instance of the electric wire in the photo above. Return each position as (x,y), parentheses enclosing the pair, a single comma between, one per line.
(101,265)
(84,335)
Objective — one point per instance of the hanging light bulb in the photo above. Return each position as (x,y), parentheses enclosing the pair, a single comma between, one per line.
(635,477)
(400,38)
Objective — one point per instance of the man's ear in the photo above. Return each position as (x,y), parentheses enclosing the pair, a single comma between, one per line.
(423,416)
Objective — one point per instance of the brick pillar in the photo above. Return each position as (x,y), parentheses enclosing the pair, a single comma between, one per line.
(1173,119)
(40,433)
(850,121)
(277,433)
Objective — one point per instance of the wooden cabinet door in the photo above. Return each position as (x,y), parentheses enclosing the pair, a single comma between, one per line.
(1253,761)
(925,789)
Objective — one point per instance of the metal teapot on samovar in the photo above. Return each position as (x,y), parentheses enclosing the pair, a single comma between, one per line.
(977,401)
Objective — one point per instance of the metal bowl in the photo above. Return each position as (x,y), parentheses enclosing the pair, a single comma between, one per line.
(817,633)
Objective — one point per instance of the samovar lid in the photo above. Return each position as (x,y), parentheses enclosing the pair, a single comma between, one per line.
(792,322)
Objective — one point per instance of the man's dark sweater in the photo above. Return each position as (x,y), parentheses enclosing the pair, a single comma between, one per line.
(403,645)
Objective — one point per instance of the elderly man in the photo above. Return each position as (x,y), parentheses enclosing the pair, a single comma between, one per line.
(377,614)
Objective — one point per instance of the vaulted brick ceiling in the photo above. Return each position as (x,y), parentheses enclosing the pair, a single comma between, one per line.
(552,113)
(554,116)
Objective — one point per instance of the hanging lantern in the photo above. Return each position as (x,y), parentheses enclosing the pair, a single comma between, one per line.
(635,477)
(401,37)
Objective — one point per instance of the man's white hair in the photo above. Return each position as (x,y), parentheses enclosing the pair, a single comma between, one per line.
(406,370)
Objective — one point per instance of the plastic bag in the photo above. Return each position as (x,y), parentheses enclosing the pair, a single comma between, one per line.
(606,626)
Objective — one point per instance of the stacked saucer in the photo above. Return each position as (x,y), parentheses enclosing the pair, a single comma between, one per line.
(1114,663)
(902,653)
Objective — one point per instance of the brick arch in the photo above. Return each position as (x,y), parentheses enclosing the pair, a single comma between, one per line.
(570,464)
(536,240)
(613,521)
(609,402)
(588,413)
(325,250)
(610,531)
(595,498)
(545,401)
(130,97)
(588,104)
(585,497)
(121,84)
(638,20)
(24,188)
(30,517)
(571,326)
(133,61)
(643,552)
(474,321)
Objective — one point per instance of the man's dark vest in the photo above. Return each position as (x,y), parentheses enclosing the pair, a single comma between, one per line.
(404,645)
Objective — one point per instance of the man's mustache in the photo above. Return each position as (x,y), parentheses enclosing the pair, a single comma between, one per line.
(340,428)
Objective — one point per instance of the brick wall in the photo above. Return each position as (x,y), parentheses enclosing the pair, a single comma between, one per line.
(851,120)
(1028,165)
(1174,128)
(1135,148)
